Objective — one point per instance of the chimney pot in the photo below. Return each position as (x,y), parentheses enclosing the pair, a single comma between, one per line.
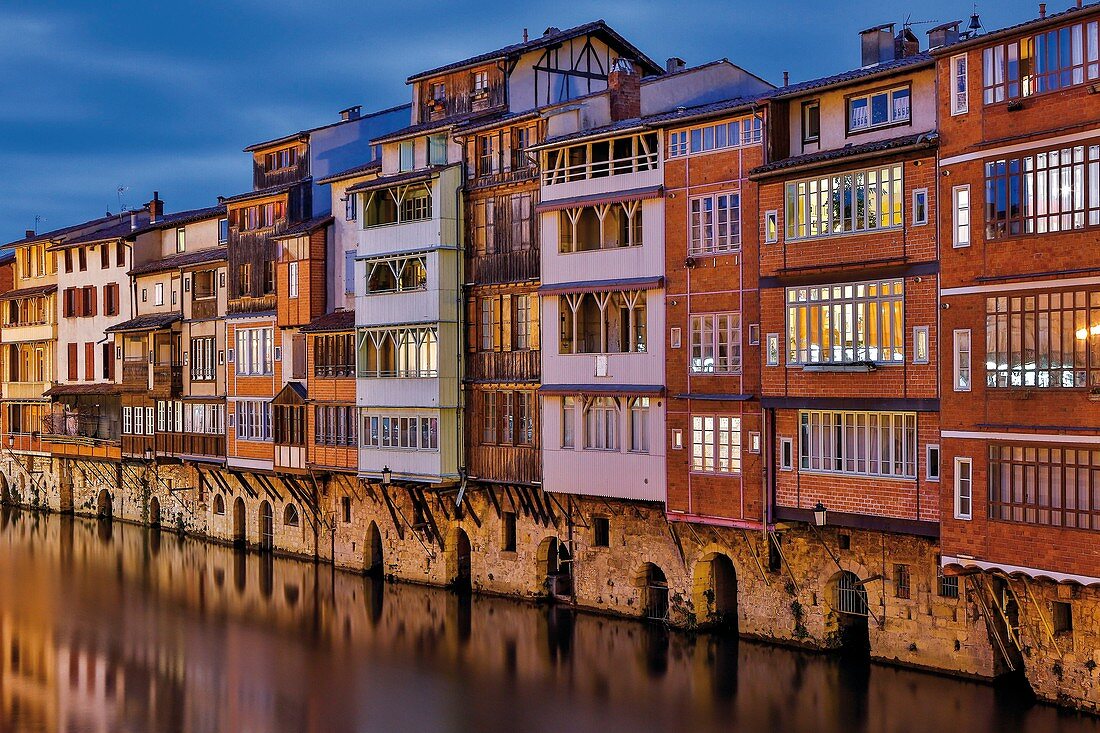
(30,233)
(133,220)
(674,64)
(156,208)
(1042,10)
(786,78)
(906,44)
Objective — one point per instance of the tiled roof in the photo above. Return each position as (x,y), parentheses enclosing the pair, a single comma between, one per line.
(150,322)
(29,292)
(183,259)
(886,68)
(420,128)
(473,125)
(358,170)
(337,320)
(180,218)
(383,181)
(260,193)
(928,139)
(106,234)
(59,390)
(1034,23)
(304,227)
(306,133)
(57,234)
(550,39)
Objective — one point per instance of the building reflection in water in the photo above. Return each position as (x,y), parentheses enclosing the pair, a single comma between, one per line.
(117,628)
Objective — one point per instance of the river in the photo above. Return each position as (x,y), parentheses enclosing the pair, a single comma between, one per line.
(107,627)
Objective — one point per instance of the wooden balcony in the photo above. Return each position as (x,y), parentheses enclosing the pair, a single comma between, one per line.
(184,445)
(25,390)
(518,174)
(517,464)
(167,380)
(203,309)
(503,366)
(136,445)
(504,267)
(135,375)
(261,304)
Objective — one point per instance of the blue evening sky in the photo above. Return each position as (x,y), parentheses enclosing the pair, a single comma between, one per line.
(148,95)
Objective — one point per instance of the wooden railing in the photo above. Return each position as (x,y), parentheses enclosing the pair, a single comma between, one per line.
(504,366)
(261,304)
(205,308)
(515,175)
(135,373)
(167,378)
(504,267)
(512,463)
(190,444)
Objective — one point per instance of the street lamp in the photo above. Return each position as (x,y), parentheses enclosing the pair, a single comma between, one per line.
(819,514)
(387,475)
(148,454)
(11,441)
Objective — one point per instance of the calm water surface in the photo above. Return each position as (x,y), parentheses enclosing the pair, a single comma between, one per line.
(117,628)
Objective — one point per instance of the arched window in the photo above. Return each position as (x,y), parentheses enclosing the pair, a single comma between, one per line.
(290,516)
(219,504)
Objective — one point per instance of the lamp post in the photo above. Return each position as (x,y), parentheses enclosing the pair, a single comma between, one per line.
(819,514)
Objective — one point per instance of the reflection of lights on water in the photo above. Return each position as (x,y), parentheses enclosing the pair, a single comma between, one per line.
(1084,333)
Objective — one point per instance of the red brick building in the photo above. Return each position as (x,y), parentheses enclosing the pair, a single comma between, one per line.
(1020,182)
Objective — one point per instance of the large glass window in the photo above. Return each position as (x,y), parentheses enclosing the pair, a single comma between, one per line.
(405,352)
(1050,191)
(603,323)
(715,444)
(1055,486)
(845,203)
(253,420)
(397,205)
(716,343)
(255,353)
(1045,62)
(844,324)
(864,443)
(745,131)
(397,275)
(203,356)
(878,109)
(715,223)
(601,423)
(405,432)
(1043,340)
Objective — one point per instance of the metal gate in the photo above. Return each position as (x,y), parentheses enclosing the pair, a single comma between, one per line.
(851,597)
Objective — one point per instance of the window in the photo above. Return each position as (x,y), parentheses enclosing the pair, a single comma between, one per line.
(255,351)
(921,345)
(601,423)
(259,216)
(878,109)
(715,224)
(437,150)
(568,421)
(269,277)
(811,122)
(480,82)
(902,583)
(290,516)
(334,355)
(351,207)
(964,487)
(253,420)
(139,421)
(1045,62)
(962,360)
(603,323)
(181,239)
(715,444)
(508,418)
(292,279)
(846,324)
(591,228)
(345,507)
(158,294)
(108,361)
(244,279)
(223,231)
(280,159)
(110,299)
(960,101)
(674,337)
(336,425)
(401,432)
(601,532)
(860,443)
(508,532)
(127,420)
(397,275)
(932,462)
(947,586)
(677,439)
(639,425)
(771,227)
(1062,617)
(960,217)
(438,91)
(602,158)
(406,159)
(1043,192)
(203,351)
(716,344)
(407,353)
(1045,340)
(920,207)
(204,419)
(104,257)
(773,349)
(74,365)
(120,254)
(82,259)
(289,424)
(219,504)
(349,272)
(844,203)
(507,224)
(745,131)
(754,334)
(1051,486)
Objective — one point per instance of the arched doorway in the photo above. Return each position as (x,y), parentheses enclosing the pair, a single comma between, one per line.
(557,562)
(850,605)
(239,537)
(267,527)
(654,593)
(460,571)
(103,507)
(716,594)
(154,512)
(372,554)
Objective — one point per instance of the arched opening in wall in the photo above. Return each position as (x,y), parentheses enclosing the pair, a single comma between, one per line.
(154,512)
(103,507)
(557,562)
(290,516)
(460,569)
(716,592)
(219,504)
(850,606)
(267,527)
(372,553)
(5,492)
(654,593)
(239,536)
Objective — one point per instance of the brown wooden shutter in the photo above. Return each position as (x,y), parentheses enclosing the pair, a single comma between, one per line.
(471,324)
(506,322)
(73,372)
(89,361)
(533,336)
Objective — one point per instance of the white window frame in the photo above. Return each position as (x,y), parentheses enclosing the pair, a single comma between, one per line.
(813,196)
(921,341)
(892,119)
(569,422)
(351,207)
(292,279)
(920,211)
(149,426)
(961,229)
(638,423)
(849,443)
(715,432)
(253,420)
(677,439)
(964,488)
(786,454)
(929,473)
(675,338)
(708,331)
(706,225)
(392,432)
(960,92)
(255,351)
(158,294)
(127,420)
(962,360)
(771,226)
(846,299)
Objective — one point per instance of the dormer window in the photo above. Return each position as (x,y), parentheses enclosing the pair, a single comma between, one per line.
(280,159)
(438,92)
(481,82)
(878,109)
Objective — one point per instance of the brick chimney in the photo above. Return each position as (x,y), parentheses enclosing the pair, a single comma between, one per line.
(626,91)
(156,208)
(906,44)
(30,233)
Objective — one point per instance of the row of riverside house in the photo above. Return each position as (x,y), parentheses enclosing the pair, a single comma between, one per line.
(669,342)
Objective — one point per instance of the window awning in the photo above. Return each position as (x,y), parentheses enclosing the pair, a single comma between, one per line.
(634,194)
(603,286)
(602,389)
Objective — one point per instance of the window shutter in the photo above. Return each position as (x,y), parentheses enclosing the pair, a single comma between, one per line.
(533,316)
(497,323)
(72,363)
(506,322)
(471,324)
(93,302)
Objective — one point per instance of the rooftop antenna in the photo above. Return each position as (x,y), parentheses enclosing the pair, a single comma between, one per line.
(38,219)
(121,190)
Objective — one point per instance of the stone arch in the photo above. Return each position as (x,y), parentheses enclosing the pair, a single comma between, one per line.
(104,508)
(219,504)
(653,583)
(715,591)
(267,526)
(154,512)
(849,612)
(290,515)
(372,552)
(459,560)
(240,536)
(555,567)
